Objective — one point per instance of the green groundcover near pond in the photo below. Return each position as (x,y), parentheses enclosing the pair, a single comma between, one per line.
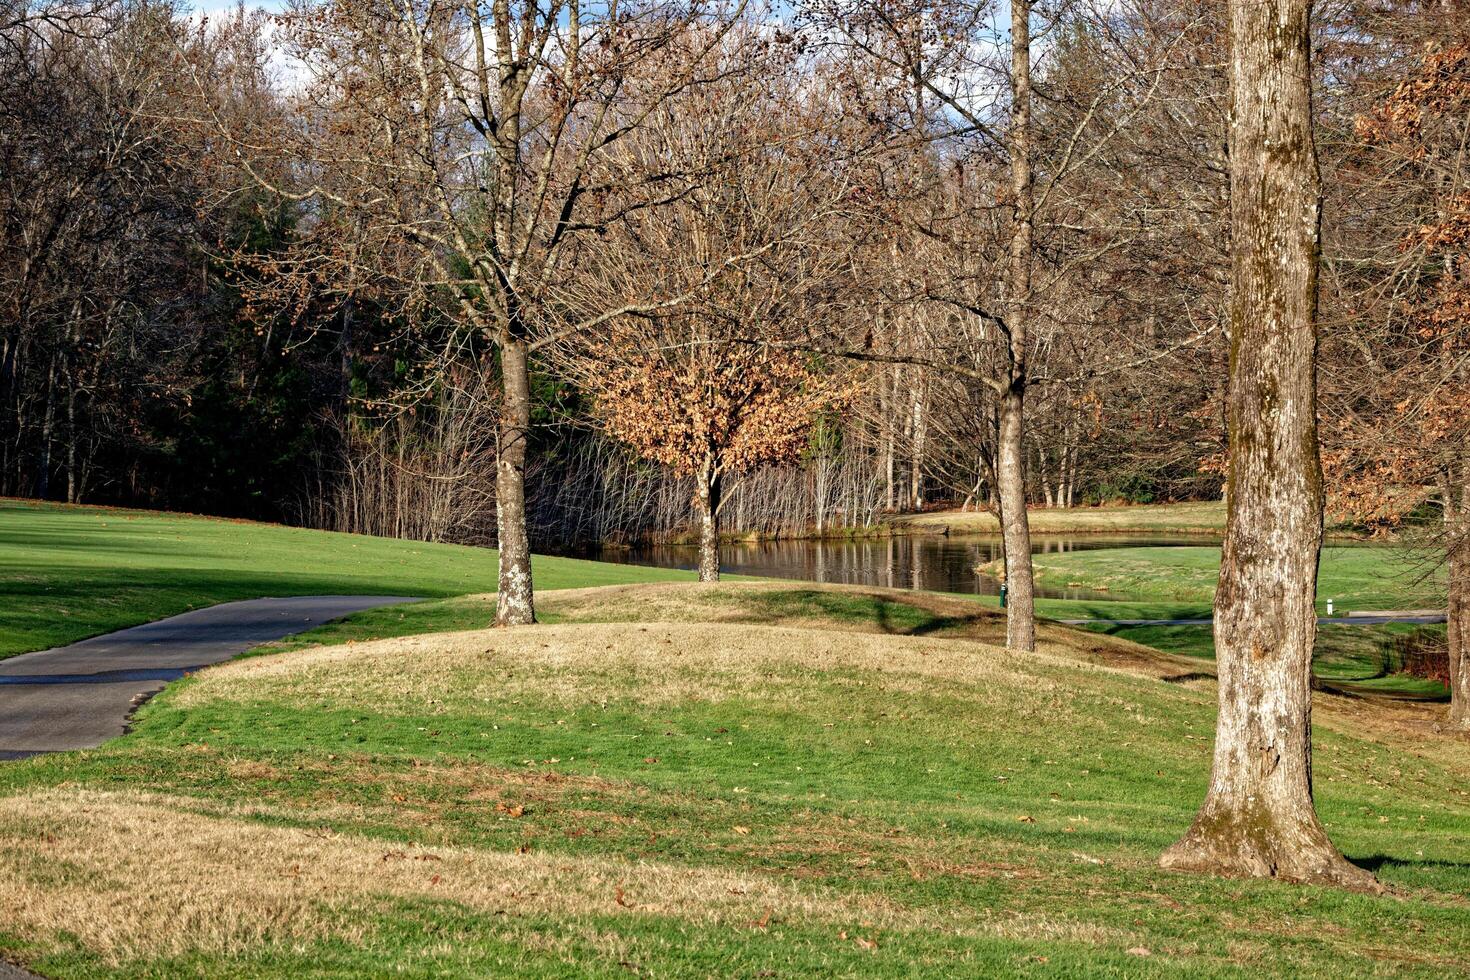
(1179,583)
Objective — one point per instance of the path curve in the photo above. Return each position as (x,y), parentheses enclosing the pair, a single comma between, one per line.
(79,696)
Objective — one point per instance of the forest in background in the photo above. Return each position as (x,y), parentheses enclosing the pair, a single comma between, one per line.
(226,285)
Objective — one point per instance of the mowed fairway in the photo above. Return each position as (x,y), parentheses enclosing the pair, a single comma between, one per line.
(1355,577)
(1179,583)
(67,573)
(741,780)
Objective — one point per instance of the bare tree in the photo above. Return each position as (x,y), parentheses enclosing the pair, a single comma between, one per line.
(1400,377)
(971,207)
(455,153)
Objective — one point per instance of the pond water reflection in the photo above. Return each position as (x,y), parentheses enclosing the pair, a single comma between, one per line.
(941,564)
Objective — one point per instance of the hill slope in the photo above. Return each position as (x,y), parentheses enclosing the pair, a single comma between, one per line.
(735,781)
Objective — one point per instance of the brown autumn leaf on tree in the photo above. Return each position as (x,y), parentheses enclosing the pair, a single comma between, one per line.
(1403,437)
(716,386)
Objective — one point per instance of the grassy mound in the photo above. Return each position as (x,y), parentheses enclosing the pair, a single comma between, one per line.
(742,781)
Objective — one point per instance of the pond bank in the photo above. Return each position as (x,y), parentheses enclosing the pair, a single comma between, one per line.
(1200,520)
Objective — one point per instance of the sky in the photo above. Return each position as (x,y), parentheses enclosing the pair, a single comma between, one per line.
(215,6)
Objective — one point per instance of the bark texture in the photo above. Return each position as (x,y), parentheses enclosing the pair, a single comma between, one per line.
(1258,818)
(707,507)
(1016,528)
(515,605)
(1459,630)
(1015,523)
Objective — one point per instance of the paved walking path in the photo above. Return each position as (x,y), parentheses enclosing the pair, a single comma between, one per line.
(1375,620)
(78,696)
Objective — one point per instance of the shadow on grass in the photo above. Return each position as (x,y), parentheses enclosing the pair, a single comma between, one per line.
(890,616)
(1379,863)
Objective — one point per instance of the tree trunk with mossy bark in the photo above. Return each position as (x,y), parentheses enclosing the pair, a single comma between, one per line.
(1459,626)
(1016,527)
(707,509)
(1258,818)
(515,605)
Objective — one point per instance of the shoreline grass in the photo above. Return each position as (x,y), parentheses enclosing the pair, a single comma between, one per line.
(1194,518)
(1189,518)
(1362,577)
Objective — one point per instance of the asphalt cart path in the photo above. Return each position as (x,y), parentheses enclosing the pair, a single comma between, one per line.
(79,696)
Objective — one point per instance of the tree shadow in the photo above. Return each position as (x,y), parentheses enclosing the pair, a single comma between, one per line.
(1377,863)
(1195,675)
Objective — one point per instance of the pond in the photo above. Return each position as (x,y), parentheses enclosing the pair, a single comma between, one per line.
(934,562)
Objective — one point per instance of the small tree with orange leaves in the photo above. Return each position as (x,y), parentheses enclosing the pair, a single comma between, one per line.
(712,388)
(711,412)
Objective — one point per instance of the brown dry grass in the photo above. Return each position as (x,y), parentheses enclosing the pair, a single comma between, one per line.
(1196,517)
(132,875)
(741,602)
(653,663)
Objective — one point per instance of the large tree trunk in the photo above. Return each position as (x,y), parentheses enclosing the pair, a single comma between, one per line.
(515,605)
(885,410)
(1011,478)
(707,509)
(1258,818)
(1459,626)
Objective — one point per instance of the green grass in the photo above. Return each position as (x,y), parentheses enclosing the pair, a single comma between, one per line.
(1179,583)
(67,573)
(1202,517)
(1357,658)
(1376,577)
(989,816)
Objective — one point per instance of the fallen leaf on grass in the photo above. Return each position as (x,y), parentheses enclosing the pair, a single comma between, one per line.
(1140,951)
(742,830)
